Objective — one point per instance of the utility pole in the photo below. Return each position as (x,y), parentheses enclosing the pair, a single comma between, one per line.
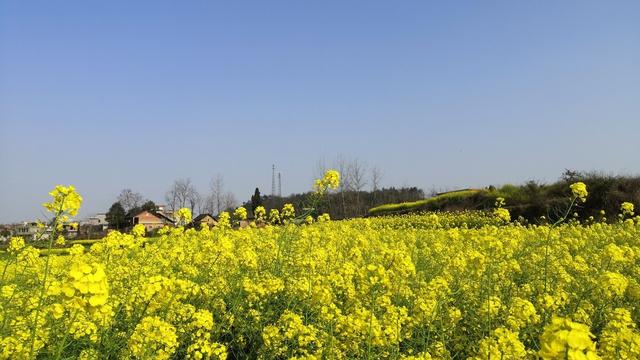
(273,180)
(279,184)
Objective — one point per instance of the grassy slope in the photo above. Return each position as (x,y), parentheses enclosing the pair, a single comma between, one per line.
(532,200)
(426,204)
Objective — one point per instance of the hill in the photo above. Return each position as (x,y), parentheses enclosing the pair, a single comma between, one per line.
(532,200)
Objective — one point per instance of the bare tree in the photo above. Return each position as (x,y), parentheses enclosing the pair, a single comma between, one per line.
(342,165)
(229,201)
(207,205)
(195,201)
(214,201)
(320,169)
(182,194)
(130,199)
(356,173)
(376,178)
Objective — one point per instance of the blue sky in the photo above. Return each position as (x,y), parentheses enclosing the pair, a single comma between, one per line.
(438,94)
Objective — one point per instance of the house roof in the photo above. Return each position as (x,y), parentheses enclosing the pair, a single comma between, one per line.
(156,214)
(202,216)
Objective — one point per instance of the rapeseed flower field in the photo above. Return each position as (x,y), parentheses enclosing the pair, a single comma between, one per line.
(463,285)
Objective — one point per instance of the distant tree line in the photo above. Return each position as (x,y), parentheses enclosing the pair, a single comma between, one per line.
(360,189)
(536,202)
(183,194)
(349,203)
(606,193)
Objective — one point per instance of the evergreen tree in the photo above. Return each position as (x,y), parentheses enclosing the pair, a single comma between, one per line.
(256,200)
(116,216)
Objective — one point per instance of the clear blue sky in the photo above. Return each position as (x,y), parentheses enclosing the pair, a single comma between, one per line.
(135,94)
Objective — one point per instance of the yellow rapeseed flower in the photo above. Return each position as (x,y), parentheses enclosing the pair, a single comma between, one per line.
(627,208)
(502,214)
(564,339)
(153,338)
(579,191)
(16,244)
(288,212)
(138,230)
(65,201)
(240,213)
(260,213)
(330,180)
(183,216)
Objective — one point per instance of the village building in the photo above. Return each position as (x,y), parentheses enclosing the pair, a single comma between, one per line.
(97,222)
(163,210)
(152,220)
(30,231)
(201,219)
(27,230)
(93,227)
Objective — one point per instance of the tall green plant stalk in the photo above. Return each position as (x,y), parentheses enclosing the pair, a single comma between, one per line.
(53,234)
(548,241)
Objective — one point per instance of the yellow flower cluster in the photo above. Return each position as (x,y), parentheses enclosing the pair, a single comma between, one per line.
(502,214)
(564,339)
(16,244)
(613,284)
(183,216)
(60,240)
(522,313)
(240,213)
(260,213)
(330,180)
(83,293)
(291,330)
(430,286)
(579,191)
(288,212)
(324,217)
(620,339)
(65,201)
(153,338)
(627,208)
(201,346)
(274,216)
(88,281)
(503,344)
(138,230)
(224,220)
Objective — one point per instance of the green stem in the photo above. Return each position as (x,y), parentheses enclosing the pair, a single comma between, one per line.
(548,241)
(64,339)
(4,271)
(44,280)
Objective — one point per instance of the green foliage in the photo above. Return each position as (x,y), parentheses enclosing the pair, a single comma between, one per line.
(256,200)
(426,204)
(509,191)
(534,200)
(116,216)
(343,204)
(84,242)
